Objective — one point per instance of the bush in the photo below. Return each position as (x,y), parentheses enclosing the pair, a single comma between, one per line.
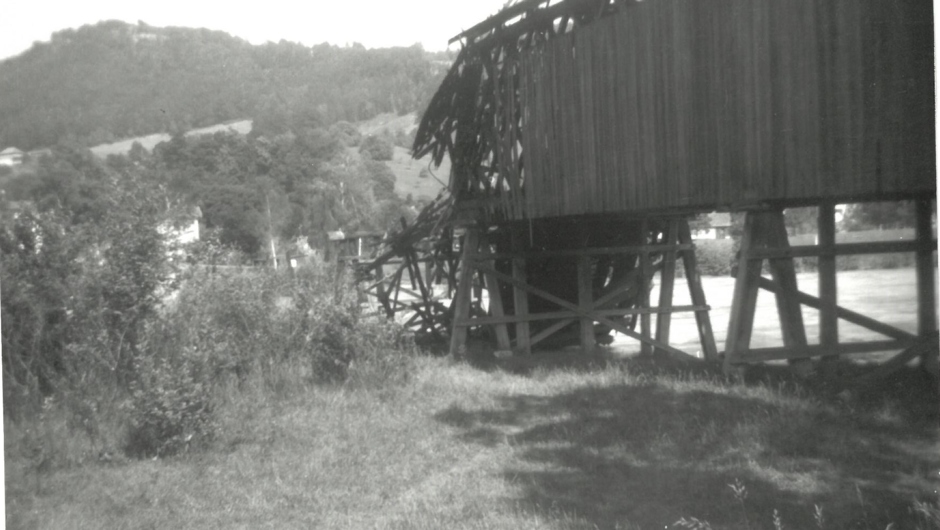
(714,256)
(170,408)
(377,148)
(346,133)
(281,331)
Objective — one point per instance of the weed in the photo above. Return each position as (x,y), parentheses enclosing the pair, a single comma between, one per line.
(740,494)
(692,524)
(819,516)
(169,409)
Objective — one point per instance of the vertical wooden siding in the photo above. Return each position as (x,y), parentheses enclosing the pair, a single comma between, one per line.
(683,103)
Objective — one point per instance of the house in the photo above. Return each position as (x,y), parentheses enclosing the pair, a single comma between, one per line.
(11,156)
(719,226)
(354,246)
(181,228)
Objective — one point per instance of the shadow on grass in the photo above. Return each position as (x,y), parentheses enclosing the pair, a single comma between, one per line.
(648,451)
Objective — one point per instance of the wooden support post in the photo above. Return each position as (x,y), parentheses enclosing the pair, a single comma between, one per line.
(926,265)
(744,299)
(828,318)
(458,335)
(697,294)
(520,297)
(585,303)
(788,305)
(666,284)
(382,294)
(496,303)
(645,279)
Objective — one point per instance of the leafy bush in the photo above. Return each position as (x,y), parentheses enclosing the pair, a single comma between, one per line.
(76,296)
(377,148)
(346,133)
(383,180)
(714,256)
(247,324)
(170,407)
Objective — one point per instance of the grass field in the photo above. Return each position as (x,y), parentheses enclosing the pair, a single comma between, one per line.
(552,441)
(889,296)
(406,169)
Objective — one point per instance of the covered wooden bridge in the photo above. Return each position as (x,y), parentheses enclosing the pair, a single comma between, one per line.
(584,133)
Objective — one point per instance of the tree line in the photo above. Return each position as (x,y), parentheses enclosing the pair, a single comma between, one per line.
(114,80)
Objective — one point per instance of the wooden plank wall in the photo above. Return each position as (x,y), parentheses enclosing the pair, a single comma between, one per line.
(681,103)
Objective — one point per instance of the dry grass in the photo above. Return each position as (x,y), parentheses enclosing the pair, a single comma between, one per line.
(557,442)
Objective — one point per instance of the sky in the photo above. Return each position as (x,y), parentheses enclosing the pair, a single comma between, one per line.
(373,23)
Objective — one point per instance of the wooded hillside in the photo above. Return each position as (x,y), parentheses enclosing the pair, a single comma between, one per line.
(115,80)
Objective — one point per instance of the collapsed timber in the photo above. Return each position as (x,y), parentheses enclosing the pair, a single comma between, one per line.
(541,283)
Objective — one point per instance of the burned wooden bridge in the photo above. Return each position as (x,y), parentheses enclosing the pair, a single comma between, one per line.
(584,133)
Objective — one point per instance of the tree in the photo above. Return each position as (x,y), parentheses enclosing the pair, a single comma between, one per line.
(79,280)
(879,215)
(377,148)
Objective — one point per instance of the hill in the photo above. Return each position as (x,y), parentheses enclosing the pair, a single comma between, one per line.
(409,178)
(113,80)
(150,141)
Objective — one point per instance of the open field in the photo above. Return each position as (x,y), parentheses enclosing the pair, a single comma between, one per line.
(531,445)
(148,142)
(889,296)
(407,179)
(552,441)
(405,168)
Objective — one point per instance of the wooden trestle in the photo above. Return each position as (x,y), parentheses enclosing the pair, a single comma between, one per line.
(478,259)
(765,238)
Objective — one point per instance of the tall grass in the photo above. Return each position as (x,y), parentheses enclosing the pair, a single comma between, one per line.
(223,337)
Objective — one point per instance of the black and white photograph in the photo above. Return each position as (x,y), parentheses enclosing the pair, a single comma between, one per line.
(479,265)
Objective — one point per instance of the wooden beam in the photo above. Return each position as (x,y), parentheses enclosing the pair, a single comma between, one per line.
(650,343)
(495,20)
(841,249)
(697,294)
(744,299)
(783,273)
(570,315)
(645,278)
(496,307)
(549,331)
(926,266)
(923,346)
(636,250)
(585,302)
(828,294)
(458,335)
(843,313)
(520,297)
(577,310)
(760,355)
(666,283)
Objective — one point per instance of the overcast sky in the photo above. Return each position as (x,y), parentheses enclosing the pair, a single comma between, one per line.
(373,23)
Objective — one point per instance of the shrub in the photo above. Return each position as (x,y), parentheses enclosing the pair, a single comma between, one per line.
(714,256)
(377,148)
(347,133)
(169,408)
(249,323)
